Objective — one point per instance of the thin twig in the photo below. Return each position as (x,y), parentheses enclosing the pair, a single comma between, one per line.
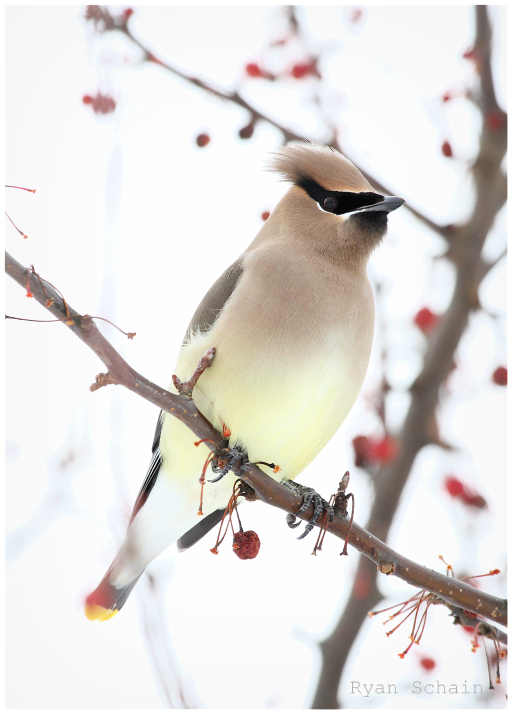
(186,388)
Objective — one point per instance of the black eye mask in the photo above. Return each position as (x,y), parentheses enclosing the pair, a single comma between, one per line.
(338,202)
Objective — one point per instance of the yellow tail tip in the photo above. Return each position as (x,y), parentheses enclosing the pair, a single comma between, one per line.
(94,612)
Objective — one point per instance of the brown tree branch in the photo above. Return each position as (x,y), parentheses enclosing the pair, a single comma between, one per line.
(465,253)
(388,561)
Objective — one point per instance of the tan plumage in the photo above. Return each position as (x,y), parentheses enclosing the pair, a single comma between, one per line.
(292,322)
(323,164)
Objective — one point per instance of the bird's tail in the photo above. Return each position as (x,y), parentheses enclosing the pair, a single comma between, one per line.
(106,600)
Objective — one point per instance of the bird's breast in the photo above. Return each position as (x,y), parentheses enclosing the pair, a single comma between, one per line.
(289,365)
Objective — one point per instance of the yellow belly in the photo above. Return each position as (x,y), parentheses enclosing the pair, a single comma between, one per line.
(282,411)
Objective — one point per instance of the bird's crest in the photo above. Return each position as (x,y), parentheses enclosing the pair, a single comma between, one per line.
(326,166)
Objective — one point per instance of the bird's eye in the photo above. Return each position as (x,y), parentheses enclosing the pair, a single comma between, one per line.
(329,203)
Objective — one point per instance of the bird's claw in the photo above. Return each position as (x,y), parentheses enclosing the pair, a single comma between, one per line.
(227,462)
(309,496)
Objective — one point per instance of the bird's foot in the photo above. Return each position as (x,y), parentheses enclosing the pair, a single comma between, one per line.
(310,496)
(227,461)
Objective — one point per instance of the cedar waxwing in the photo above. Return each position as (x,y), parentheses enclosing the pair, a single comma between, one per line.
(292,322)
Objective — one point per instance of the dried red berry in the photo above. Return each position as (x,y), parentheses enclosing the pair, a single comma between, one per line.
(87,99)
(246,544)
(128,13)
(265,215)
(202,140)
(426,320)
(427,663)
(446,149)
(447,96)
(500,376)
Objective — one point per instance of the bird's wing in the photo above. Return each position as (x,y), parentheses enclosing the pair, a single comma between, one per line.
(215,299)
(153,470)
(204,317)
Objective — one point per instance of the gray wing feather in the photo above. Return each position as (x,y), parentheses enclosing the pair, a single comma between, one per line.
(153,470)
(215,299)
(200,529)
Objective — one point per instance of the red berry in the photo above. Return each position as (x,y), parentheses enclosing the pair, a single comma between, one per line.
(447,97)
(454,486)
(87,99)
(265,215)
(447,149)
(128,13)
(302,69)
(475,500)
(427,663)
(299,71)
(253,70)
(426,320)
(383,451)
(379,451)
(500,376)
(202,140)
(246,544)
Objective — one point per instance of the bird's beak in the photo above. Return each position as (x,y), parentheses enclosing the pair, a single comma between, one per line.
(389,203)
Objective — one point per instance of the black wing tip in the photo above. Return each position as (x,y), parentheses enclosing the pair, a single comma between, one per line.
(198,531)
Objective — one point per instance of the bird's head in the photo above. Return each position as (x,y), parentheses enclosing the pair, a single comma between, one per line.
(331,196)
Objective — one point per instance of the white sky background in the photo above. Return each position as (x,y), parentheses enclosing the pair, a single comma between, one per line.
(133,222)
